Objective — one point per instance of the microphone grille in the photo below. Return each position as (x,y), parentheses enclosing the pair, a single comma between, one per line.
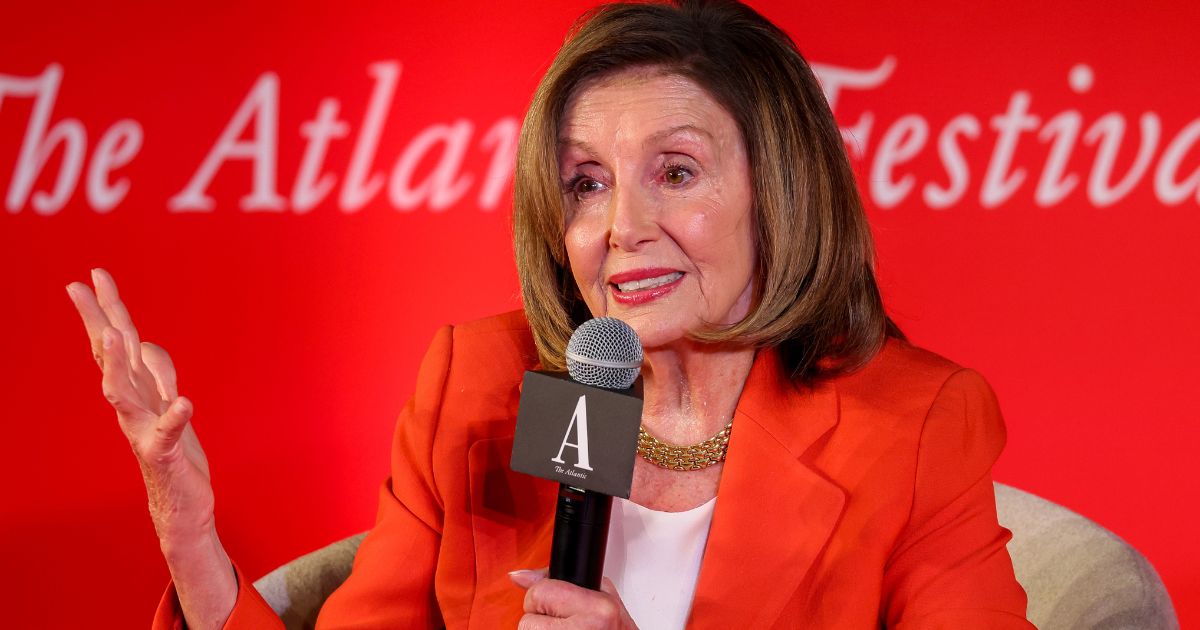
(604,352)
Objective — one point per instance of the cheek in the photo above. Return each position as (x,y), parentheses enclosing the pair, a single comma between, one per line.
(722,245)
(740,228)
(585,251)
(717,238)
(745,259)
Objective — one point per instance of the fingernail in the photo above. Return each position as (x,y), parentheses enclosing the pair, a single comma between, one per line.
(94,276)
(525,578)
(70,293)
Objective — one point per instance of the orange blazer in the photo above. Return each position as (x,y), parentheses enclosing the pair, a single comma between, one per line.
(863,501)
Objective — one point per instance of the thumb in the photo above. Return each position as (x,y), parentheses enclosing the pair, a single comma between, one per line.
(171,424)
(527,577)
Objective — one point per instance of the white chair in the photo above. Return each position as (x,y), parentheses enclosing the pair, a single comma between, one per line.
(1078,575)
(297,589)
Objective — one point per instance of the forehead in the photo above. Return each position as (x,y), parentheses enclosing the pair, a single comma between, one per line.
(641,104)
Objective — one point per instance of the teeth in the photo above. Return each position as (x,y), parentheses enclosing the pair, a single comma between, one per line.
(650,283)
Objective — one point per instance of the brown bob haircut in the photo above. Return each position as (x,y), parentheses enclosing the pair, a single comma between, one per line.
(815,296)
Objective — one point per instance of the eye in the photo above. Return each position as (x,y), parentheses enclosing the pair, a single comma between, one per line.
(581,186)
(677,174)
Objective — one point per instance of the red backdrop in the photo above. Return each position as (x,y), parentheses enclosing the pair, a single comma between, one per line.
(294,197)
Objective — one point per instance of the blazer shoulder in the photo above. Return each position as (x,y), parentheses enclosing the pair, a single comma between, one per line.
(903,379)
(508,324)
(496,347)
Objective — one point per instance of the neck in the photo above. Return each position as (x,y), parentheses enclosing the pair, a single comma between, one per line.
(692,389)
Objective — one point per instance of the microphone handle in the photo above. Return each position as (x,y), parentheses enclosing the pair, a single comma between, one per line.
(580,536)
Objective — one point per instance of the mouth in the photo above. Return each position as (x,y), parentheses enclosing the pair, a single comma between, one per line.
(643,285)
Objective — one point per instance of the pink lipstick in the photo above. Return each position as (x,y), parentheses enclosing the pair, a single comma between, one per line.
(640,286)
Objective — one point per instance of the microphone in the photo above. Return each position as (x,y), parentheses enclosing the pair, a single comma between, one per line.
(606,353)
(604,358)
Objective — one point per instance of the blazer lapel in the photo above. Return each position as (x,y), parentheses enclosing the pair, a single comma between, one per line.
(774,512)
(512,520)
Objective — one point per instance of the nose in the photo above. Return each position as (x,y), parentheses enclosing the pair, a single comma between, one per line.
(631,220)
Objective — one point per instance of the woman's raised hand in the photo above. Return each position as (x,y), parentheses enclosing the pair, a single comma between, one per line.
(139,382)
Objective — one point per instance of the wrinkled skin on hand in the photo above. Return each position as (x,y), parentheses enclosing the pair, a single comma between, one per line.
(561,605)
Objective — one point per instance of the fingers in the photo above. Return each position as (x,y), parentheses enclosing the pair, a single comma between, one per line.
(555,603)
(130,405)
(114,308)
(110,300)
(118,388)
(118,316)
(556,598)
(162,369)
(94,319)
(542,622)
(172,423)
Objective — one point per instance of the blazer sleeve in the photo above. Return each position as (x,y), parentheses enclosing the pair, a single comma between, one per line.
(250,610)
(391,582)
(950,567)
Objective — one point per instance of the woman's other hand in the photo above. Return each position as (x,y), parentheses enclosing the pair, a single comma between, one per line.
(139,382)
(557,604)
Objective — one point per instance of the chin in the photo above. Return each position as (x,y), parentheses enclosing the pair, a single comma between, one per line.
(656,325)
(652,331)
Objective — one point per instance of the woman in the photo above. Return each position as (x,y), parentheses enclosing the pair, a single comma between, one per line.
(680,170)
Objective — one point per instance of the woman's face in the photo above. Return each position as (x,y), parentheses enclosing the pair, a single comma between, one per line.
(657,192)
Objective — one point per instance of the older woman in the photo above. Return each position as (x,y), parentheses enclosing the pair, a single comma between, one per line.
(680,170)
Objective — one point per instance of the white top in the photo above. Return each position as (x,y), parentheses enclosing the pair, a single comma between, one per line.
(653,559)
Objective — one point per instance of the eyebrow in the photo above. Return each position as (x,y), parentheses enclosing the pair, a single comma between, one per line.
(653,138)
(667,133)
(578,144)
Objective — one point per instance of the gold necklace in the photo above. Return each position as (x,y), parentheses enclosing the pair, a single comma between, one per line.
(691,457)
